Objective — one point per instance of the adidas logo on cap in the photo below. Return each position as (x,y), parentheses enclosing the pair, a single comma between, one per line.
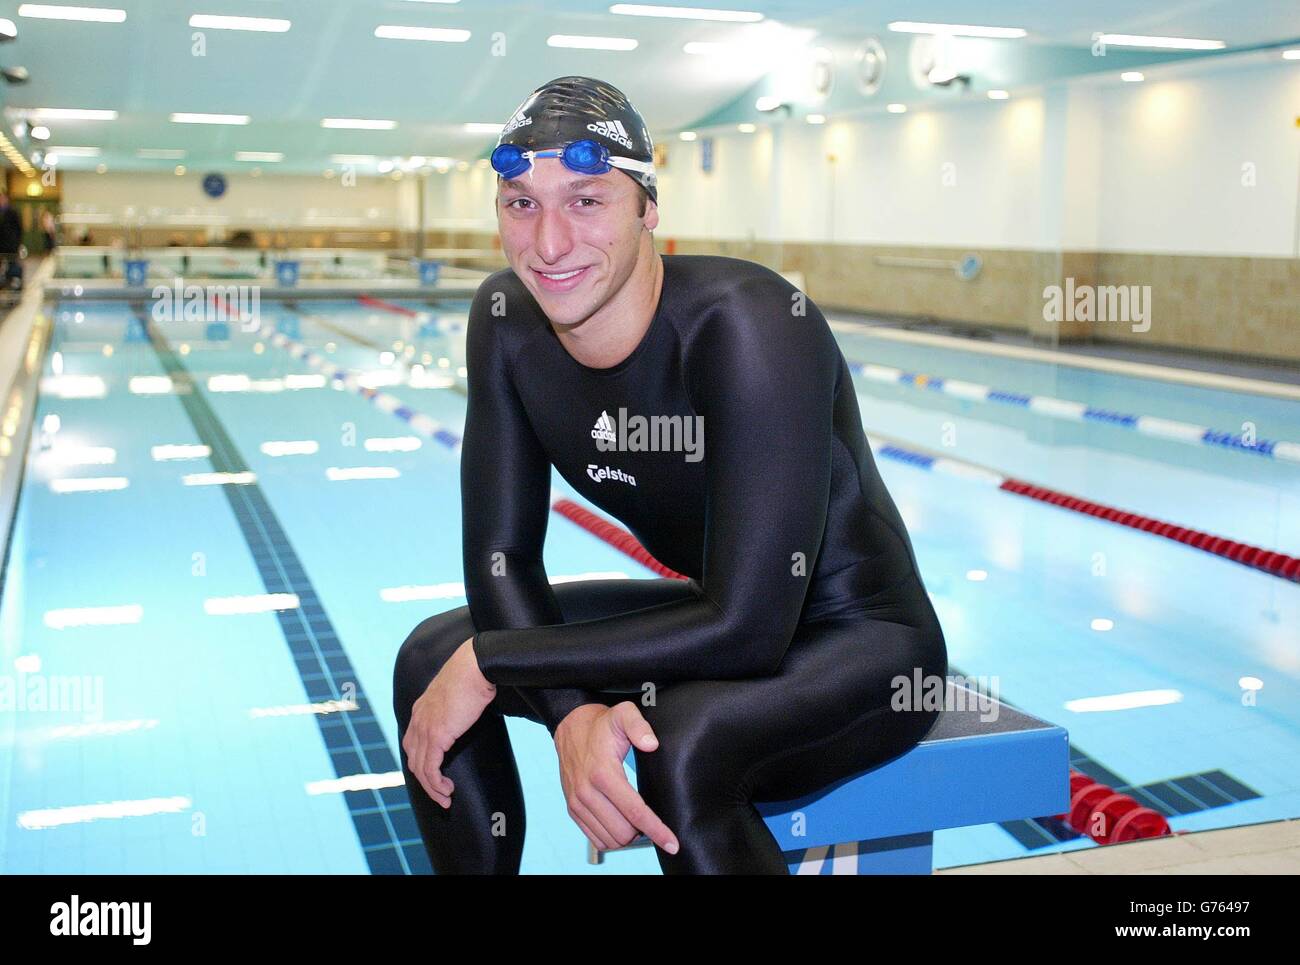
(613,130)
(519,120)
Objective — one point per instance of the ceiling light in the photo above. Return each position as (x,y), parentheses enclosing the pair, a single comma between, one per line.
(685,13)
(71,114)
(40,132)
(687,135)
(590,43)
(1166,43)
(1291,54)
(816,118)
(357,124)
(75,151)
(352,158)
(896,108)
(261,24)
(47,11)
(8,29)
(269,156)
(956,29)
(442,35)
(998,95)
(746,128)
(1132,77)
(187,118)
(160,153)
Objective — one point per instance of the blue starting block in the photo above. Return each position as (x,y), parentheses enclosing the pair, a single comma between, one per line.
(967,771)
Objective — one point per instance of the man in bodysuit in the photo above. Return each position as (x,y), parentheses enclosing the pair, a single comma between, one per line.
(775,668)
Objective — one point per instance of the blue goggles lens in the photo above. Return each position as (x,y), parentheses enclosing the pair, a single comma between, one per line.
(584,157)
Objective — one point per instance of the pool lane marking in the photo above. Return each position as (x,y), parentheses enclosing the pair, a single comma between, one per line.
(1147,370)
(353,740)
(1276,564)
(1072,411)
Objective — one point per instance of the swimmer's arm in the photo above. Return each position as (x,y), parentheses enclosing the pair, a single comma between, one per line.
(505,503)
(764,380)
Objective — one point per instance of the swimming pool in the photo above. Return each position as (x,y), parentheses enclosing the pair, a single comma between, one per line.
(226,619)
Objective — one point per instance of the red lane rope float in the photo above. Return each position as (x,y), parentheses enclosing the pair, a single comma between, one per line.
(1107,816)
(615,536)
(1278,564)
(386,306)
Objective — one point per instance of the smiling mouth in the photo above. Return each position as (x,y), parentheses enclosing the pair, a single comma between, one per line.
(559,276)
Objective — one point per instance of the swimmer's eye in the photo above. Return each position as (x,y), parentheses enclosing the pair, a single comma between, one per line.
(595,202)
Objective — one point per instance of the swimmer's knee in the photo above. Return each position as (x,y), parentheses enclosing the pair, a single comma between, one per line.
(425,650)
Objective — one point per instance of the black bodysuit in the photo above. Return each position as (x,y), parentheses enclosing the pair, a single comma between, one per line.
(771,668)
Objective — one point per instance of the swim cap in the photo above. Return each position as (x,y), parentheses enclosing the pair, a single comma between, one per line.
(575,108)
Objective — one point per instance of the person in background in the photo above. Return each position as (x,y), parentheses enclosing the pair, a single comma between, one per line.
(11,239)
(49,231)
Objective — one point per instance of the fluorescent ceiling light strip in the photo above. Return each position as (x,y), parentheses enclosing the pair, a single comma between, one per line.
(444,35)
(357,123)
(590,43)
(185,117)
(269,156)
(956,29)
(258,24)
(72,114)
(160,153)
(353,158)
(49,11)
(74,151)
(1166,43)
(685,13)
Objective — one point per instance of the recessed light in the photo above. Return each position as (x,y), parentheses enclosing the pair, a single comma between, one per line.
(357,124)
(590,43)
(998,95)
(444,35)
(1132,77)
(179,169)
(685,13)
(260,24)
(687,135)
(48,11)
(1165,43)
(188,118)
(71,114)
(896,108)
(956,29)
(746,128)
(74,151)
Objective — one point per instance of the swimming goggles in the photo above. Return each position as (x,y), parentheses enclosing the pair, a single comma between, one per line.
(584,156)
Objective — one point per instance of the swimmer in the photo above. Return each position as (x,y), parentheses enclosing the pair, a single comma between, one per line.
(765,675)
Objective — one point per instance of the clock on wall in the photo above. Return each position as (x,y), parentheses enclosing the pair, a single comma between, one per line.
(214,185)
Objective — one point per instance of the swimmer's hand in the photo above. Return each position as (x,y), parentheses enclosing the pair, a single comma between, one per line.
(449,706)
(592,742)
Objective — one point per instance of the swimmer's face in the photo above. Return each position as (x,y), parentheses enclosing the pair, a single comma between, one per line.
(553,221)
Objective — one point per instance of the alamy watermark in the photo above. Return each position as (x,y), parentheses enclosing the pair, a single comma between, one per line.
(930,692)
(179,302)
(658,433)
(1098,303)
(38,692)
